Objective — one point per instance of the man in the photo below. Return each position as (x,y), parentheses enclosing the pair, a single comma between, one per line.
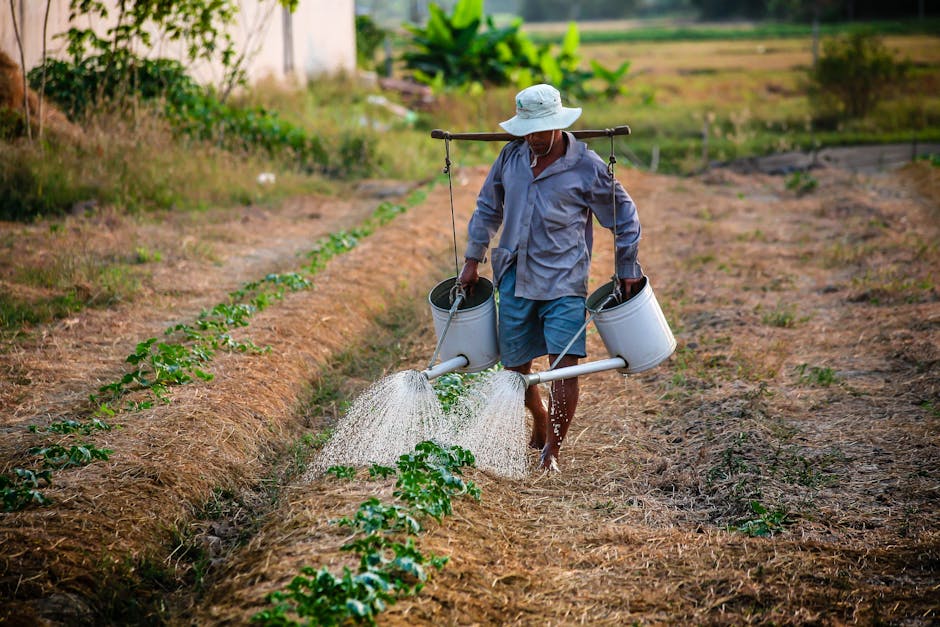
(544,189)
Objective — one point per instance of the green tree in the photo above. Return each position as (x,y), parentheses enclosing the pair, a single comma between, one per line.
(853,74)
(201,26)
(369,36)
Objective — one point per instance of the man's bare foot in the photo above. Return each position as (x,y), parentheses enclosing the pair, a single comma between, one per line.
(549,461)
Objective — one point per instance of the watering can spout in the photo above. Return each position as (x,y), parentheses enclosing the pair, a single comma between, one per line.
(574,371)
(444,367)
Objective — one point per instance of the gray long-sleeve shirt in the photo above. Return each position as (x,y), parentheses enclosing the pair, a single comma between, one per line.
(547,225)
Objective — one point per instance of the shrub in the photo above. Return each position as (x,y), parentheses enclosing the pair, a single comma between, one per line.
(369,36)
(79,85)
(32,186)
(853,74)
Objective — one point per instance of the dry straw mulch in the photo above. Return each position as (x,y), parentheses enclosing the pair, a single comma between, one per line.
(807,380)
(113,521)
(644,524)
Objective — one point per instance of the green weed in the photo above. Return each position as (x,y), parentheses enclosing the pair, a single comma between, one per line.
(765,523)
(801,183)
(732,460)
(145,255)
(932,409)
(822,376)
(783,316)
(796,469)
(342,472)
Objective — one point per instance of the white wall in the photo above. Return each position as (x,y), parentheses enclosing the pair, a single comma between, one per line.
(323,38)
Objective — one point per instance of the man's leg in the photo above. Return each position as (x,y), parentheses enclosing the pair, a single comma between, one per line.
(533,401)
(561,408)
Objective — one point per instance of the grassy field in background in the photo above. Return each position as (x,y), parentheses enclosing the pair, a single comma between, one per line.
(752,95)
(749,95)
(669,30)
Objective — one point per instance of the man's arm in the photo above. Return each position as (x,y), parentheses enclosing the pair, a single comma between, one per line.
(488,215)
(484,223)
(625,226)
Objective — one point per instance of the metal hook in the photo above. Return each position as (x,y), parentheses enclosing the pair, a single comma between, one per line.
(446,169)
(457,292)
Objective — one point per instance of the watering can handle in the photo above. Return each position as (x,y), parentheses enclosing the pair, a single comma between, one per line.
(495,137)
(453,310)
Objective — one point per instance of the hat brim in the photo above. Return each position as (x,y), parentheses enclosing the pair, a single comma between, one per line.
(523,126)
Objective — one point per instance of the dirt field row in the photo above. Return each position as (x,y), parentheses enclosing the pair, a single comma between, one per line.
(802,403)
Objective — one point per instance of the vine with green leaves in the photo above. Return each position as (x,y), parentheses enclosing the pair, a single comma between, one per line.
(390,565)
(179,358)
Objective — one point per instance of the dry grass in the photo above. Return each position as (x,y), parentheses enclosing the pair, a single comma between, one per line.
(660,470)
(168,460)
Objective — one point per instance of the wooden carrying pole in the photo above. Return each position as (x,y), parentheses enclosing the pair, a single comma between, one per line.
(504,137)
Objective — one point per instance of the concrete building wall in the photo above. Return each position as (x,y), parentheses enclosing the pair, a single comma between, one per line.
(318,38)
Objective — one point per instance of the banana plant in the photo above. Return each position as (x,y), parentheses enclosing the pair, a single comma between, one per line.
(612,78)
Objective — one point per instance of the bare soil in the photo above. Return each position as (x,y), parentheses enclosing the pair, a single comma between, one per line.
(807,380)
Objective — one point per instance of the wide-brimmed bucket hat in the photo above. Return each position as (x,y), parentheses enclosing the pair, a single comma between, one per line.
(538,108)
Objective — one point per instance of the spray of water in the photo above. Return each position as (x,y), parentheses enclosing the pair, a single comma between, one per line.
(401,410)
(490,421)
(385,422)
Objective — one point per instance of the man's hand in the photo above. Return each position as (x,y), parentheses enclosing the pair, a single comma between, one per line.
(630,287)
(469,276)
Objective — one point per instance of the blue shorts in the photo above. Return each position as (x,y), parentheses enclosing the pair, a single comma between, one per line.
(532,328)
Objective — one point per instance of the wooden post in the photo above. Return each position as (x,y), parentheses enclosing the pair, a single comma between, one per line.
(705,142)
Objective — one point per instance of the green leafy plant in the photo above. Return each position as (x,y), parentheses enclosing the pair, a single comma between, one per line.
(57,457)
(765,523)
(449,387)
(801,182)
(453,51)
(342,472)
(373,516)
(23,488)
(202,27)
(369,36)
(69,426)
(822,376)
(203,116)
(612,78)
(159,365)
(390,564)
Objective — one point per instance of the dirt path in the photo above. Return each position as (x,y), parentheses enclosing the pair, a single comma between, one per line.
(807,380)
